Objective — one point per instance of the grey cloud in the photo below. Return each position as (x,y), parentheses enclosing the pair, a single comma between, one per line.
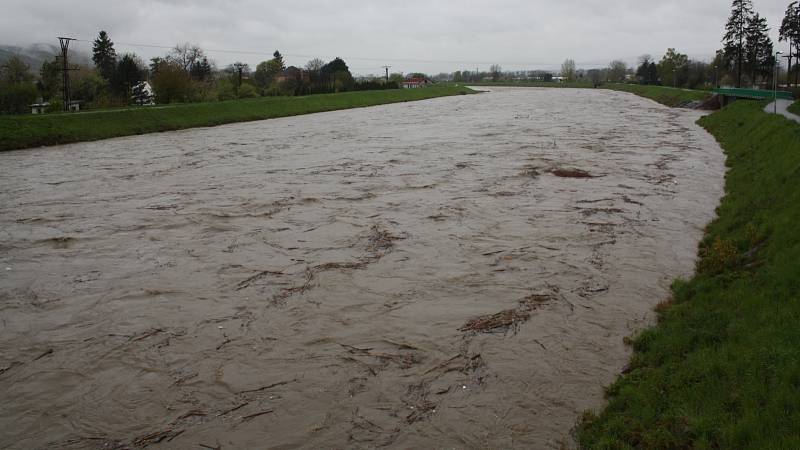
(429,36)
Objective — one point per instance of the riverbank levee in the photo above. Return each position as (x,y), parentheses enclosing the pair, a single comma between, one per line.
(722,368)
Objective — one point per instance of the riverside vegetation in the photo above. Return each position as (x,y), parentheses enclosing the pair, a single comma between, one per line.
(721,369)
(23,131)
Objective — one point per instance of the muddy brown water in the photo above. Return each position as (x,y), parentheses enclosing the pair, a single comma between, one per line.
(304,282)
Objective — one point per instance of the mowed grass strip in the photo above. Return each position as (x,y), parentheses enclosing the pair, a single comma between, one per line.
(26,131)
(721,369)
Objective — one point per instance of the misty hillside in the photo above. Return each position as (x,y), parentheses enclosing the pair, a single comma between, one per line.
(36,54)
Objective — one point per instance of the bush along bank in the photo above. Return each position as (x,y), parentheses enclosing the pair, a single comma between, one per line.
(721,369)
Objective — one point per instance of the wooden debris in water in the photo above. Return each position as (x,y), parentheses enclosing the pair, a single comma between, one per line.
(508,319)
(571,173)
(501,321)
(156,437)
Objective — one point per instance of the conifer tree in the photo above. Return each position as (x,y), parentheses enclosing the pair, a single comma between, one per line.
(758,47)
(104,56)
(790,32)
(736,34)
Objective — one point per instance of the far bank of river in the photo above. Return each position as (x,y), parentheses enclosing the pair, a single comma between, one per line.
(26,131)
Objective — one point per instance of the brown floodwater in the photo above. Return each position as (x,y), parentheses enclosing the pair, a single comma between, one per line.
(452,273)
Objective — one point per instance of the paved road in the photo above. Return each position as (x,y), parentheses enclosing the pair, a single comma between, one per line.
(783,109)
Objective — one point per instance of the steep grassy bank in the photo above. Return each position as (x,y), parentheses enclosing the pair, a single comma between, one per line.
(662,94)
(721,369)
(52,129)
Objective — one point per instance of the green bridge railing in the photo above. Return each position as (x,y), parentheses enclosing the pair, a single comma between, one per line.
(758,94)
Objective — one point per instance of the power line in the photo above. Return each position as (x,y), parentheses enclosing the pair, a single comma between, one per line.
(364,58)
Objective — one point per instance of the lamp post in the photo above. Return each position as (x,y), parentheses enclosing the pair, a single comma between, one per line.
(775,84)
(716,76)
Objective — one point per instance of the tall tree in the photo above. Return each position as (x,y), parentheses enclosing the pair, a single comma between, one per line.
(673,68)
(130,71)
(104,55)
(49,83)
(186,55)
(15,71)
(758,47)
(201,69)
(643,71)
(266,71)
(568,71)
(736,34)
(790,32)
(171,83)
(496,71)
(617,71)
(314,69)
(17,90)
(339,74)
(278,58)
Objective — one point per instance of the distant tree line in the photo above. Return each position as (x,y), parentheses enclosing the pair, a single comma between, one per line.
(184,74)
(746,59)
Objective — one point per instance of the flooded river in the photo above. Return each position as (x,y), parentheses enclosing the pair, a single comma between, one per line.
(452,273)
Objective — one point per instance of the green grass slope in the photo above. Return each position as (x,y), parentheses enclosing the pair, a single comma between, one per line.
(795,108)
(52,129)
(721,369)
(662,94)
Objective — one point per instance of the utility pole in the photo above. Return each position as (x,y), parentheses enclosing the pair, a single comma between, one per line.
(789,69)
(239,67)
(387,73)
(775,82)
(64,41)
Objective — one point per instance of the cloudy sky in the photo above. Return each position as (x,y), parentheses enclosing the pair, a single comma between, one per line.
(410,35)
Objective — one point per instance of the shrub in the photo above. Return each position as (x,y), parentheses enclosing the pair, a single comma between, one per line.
(16,98)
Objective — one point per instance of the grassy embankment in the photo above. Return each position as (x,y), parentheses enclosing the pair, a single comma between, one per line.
(662,94)
(52,129)
(721,369)
(795,108)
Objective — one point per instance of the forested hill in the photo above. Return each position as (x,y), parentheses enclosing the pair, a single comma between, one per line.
(34,55)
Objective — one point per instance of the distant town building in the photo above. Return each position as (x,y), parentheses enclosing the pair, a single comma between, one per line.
(293,73)
(413,83)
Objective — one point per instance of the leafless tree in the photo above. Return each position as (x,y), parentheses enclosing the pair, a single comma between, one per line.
(186,55)
(568,70)
(617,71)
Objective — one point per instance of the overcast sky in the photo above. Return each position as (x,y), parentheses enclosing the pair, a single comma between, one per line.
(410,35)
